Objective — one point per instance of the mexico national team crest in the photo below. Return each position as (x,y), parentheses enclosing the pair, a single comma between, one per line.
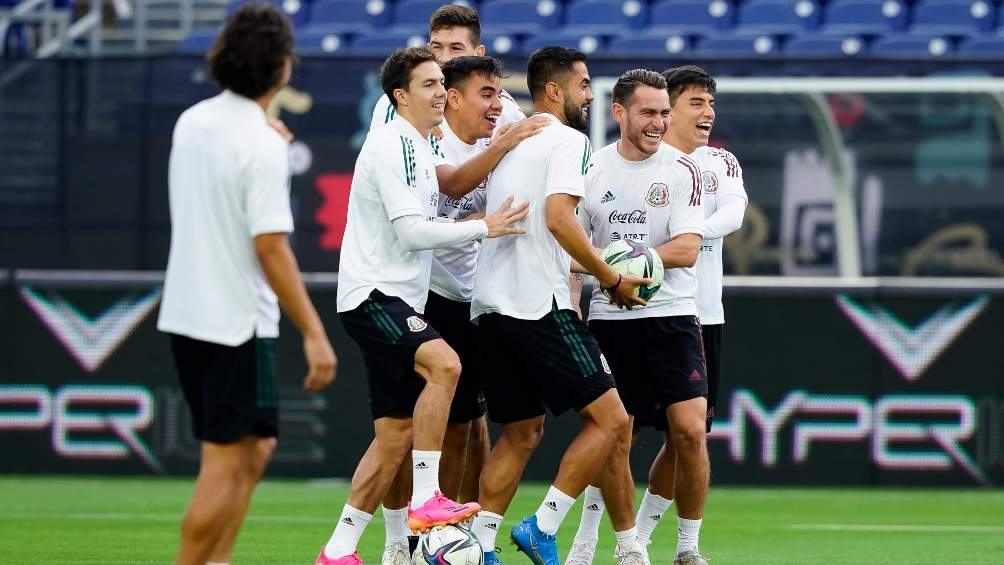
(416,324)
(710,182)
(658,195)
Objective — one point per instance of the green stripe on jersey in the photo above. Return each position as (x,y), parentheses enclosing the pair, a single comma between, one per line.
(408,154)
(389,114)
(587,153)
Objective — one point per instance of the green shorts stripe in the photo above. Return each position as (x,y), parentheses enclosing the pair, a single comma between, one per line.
(383,321)
(267,391)
(575,345)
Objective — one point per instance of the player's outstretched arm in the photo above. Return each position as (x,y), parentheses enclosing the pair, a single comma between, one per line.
(458,181)
(565,227)
(418,234)
(681,251)
(283,274)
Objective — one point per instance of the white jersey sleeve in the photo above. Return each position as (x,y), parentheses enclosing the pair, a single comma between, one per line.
(383,112)
(686,211)
(267,198)
(394,175)
(567,167)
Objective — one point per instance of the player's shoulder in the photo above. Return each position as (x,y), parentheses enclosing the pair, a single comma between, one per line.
(718,159)
(604,156)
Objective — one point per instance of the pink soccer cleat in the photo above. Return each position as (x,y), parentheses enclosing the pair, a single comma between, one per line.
(347,560)
(440,511)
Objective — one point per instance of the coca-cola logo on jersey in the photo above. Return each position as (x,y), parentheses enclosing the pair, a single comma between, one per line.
(632,217)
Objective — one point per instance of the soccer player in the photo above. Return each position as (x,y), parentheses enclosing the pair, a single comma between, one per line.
(536,352)
(229,265)
(642,189)
(382,291)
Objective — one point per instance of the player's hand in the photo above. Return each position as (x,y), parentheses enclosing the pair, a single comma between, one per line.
(624,295)
(511,134)
(499,223)
(321,362)
(437,132)
(280,127)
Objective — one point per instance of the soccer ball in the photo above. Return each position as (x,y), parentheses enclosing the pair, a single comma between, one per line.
(449,545)
(630,257)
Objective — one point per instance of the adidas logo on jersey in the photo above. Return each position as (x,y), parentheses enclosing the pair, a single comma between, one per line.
(608,197)
(492,526)
(656,517)
(552,505)
(593,507)
(347,520)
(421,465)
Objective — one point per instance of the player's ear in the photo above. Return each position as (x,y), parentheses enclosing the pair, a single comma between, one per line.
(453,98)
(618,111)
(480,50)
(401,96)
(553,91)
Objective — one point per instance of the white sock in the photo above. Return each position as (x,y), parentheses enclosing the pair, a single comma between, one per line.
(553,511)
(215,563)
(395,522)
(690,531)
(653,508)
(592,513)
(425,476)
(350,528)
(628,540)
(485,527)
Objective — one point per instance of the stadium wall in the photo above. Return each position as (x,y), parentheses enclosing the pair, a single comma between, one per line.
(874,382)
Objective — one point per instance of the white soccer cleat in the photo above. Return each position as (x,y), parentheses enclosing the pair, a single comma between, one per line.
(396,554)
(631,557)
(582,552)
(690,557)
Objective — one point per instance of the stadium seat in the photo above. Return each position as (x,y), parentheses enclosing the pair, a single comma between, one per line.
(585,42)
(983,46)
(350,16)
(320,40)
(501,44)
(415,13)
(739,44)
(521,16)
(296,10)
(778,16)
(870,17)
(691,16)
(383,43)
(197,42)
(650,44)
(911,46)
(822,45)
(610,17)
(959,17)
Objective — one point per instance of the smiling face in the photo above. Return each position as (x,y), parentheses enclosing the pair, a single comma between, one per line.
(423,102)
(450,42)
(691,119)
(643,122)
(474,107)
(577,96)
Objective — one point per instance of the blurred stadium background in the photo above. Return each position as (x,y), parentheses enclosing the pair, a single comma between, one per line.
(863,294)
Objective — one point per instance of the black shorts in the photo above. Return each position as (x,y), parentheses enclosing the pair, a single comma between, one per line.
(529,364)
(389,332)
(232,392)
(452,319)
(713,357)
(656,362)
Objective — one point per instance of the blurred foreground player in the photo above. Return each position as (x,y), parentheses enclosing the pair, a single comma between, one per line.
(229,263)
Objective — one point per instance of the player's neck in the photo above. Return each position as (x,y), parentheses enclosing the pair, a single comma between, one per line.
(675,141)
(404,114)
(629,152)
(456,125)
(546,109)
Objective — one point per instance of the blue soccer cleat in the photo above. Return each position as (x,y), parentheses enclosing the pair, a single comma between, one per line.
(492,559)
(541,548)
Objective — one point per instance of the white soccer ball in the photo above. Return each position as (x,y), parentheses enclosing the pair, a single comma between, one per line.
(630,257)
(449,545)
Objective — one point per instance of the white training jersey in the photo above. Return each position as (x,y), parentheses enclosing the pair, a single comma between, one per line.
(722,179)
(653,201)
(384,112)
(228,181)
(395,176)
(453,268)
(521,276)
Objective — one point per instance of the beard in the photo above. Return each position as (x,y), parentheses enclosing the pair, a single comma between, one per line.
(573,116)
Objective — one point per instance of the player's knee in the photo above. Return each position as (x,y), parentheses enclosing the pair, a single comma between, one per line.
(690,437)
(525,436)
(264,449)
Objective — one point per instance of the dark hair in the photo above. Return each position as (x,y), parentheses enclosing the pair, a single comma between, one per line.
(628,82)
(458,69)
(679,78)
(547,64)
(250,54)
(396,70)
(456,15)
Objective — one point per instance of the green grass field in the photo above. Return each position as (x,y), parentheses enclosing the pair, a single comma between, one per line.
(117,521)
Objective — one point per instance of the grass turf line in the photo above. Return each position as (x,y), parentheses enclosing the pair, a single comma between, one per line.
(112,521)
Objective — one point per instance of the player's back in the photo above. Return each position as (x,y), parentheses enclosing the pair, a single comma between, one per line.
(521,276)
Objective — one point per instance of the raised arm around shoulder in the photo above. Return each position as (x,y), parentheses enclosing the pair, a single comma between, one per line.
(458,181)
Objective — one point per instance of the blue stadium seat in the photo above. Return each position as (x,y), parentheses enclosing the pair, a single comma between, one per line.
(585,42)
(521,16)
(911,46)
(739,44)
(384,42)
(872,17)
(823,45)
(959,17)
(650,44)
(350,16)
(415,13)
(498,44)
(983,46)
(197,42)
(296,10)
(320,40)
(691,16)
(778,16)
(605,16)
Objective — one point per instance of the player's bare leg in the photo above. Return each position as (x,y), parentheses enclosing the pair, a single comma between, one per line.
(693,470)
(478,451)
(379,465)
(604,421)
(221,495)
(453,466)
(255,469)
